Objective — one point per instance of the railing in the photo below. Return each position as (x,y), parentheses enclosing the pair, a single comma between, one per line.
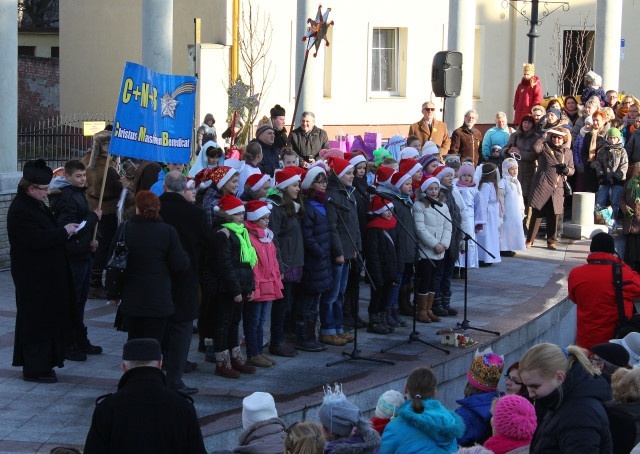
(57,139)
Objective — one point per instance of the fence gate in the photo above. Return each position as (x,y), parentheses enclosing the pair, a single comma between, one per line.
(57,139)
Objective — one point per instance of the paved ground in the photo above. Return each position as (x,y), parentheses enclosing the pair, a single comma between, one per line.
(37,417)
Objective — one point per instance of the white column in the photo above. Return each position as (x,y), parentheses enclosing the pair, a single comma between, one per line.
(9,85)
(157,35)
(462,27)
(607,45)
(312,87)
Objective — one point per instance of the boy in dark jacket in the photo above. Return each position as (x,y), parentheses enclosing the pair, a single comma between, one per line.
(69,204)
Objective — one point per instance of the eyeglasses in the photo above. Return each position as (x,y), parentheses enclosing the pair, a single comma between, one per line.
(322,182)
(45,189)
(512,380)
(429,109)
(628,102)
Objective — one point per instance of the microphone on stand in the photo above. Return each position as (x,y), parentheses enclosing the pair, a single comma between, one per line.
(431,200)
(373,191)
(337,204)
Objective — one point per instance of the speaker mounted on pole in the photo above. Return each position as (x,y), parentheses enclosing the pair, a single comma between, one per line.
(446,74)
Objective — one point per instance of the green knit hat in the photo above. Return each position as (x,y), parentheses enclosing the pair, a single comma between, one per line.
(614,132)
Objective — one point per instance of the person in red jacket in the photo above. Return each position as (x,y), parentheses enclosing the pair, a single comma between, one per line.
(591,289)
(528,94)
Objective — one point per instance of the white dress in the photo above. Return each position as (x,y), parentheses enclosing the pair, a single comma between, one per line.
(488,214)
(468,195)
(511,230)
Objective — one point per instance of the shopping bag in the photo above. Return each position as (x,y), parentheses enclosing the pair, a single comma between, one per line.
(339,144)
(372,140)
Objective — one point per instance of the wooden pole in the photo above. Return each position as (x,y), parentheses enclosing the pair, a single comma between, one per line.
(104,182)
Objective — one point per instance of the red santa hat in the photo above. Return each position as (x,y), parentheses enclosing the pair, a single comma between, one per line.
(399,178)
(257,209)
(191,183)
(355,158)
(383,176)
(311,174)
(286,177)
(428,181)
(221,174)
(229,205)
(339,166)
(379,205)
(409,166)
(203,178)
(256,181)
(442,171)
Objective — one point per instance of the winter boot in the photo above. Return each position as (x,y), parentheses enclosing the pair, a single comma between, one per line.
(430,314)
(223,365)
(383,321)
(423,307)
(404,301)
(238,363)
(395,314)
(375,326)
(446,305)
(391,322)
(313,332)
(73,353)
(96,289)
(304,341)
(437,310)
(85,345)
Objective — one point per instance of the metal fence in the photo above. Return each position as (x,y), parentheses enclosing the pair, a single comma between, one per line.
(57,139)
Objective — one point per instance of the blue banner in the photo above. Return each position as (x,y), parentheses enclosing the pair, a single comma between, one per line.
(154,116)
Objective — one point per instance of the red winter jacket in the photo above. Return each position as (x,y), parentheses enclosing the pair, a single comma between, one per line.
(528,94)
(591,288)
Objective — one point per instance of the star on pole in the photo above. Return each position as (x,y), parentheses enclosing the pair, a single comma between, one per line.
(317,31)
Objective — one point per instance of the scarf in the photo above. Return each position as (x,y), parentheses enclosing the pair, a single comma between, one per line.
(456,236)
(379,223)
(264,235)
(634,186)
(462,184)
(247,252)
(501,444)
(593,145)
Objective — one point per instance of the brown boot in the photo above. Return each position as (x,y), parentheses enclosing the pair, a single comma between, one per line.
(432,316)
(237,362)
(423,306)
(223,365)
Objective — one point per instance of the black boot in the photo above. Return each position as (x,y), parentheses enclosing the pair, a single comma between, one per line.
(73,353)
(437,308)
(395,315)
(404,301)
(85,345)
(303,341)
(446,305)
(383,321)
(96,289)
(375,325)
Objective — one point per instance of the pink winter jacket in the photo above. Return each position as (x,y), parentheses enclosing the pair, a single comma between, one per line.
(266,273)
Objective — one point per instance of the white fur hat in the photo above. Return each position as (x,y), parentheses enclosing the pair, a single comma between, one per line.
(257,407)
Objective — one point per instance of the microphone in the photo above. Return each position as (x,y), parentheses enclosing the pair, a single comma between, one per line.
(431,200)
(337,204)
(391,197)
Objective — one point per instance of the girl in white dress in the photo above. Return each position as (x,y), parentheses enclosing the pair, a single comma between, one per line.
(488,215)
(468,190)
(510,195)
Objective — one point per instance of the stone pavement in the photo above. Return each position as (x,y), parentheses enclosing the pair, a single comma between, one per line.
(503,297)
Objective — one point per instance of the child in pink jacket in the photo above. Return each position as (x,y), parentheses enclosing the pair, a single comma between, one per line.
(268,282)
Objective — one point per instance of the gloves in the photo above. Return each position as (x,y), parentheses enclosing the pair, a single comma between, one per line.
(579,168)
(605,181)
(562,169)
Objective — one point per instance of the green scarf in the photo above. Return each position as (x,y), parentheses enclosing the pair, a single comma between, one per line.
(634,184)
(247,252)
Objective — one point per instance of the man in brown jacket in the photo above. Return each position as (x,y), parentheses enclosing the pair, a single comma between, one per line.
(428,128)
(467,140)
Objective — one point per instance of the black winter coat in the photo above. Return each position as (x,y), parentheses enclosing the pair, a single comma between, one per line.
(71,206)
(155,255)
(590,177)
(405,247)
(281,139)
(316,276)
(231,276)
(308,145)
(574,421)
(380,250)
(195,238)
(40,272)
(144,416)
(287,236)
(362,201)
(341,243)
(270,158)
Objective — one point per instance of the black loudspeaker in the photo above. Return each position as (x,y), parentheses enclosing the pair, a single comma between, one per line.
(446,74)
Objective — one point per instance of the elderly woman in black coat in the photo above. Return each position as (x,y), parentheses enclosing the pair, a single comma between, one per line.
(155,253)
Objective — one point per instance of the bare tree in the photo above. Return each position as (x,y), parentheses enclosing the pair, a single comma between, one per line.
(572,55)
(37,13)
(255,44)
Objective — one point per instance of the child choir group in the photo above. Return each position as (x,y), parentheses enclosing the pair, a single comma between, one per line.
(305,234)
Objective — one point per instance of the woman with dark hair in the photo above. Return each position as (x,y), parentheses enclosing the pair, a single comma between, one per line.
(155,253)
(513,382)
(593,141)
(571,109)
(555,163)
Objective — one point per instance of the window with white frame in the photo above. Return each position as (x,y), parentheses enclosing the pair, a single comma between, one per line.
(384,61)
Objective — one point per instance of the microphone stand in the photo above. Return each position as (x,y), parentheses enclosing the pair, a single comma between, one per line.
(465,324)
(355,353)
(414,336)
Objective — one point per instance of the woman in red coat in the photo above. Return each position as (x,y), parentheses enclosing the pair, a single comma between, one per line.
(528,94)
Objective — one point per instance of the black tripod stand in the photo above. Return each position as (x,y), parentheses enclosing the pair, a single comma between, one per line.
(414,336)
(465,322)
(355,353)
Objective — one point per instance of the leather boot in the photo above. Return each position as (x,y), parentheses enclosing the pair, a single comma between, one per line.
(437,308)
(446,305)
(223,365)
(85,345)
(237,362)
(383,321)
(312,333)
(391,322)
(303,341)
(431,303)
(375,325)
(423,307)
(395,314)
(404,301)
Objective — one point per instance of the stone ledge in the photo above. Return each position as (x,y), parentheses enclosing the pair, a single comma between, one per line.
(578,232)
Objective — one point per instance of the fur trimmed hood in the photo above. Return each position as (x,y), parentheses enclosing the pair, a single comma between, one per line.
(99,139)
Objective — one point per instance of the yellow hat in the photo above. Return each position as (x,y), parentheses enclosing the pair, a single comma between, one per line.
(528,68)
